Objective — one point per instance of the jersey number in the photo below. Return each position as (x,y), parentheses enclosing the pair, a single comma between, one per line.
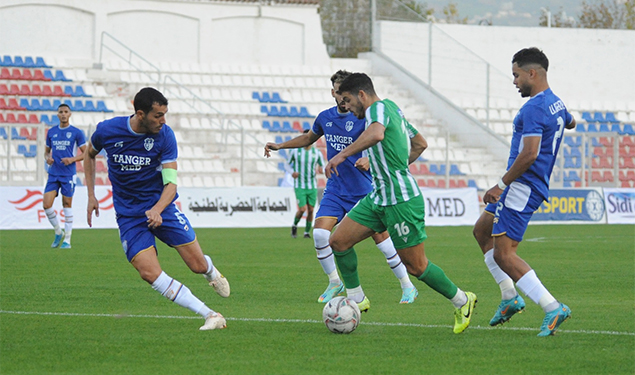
(558,135)
(402,229)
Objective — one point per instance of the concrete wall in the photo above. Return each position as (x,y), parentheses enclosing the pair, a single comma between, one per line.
(161,30)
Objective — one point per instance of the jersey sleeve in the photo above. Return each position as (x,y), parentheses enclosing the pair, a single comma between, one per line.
(169,153)
(320,158)
(376,113)
(412,131)
(291,158)
(318,127)
(97,138)
(533,121)
(80,138)
(48,139)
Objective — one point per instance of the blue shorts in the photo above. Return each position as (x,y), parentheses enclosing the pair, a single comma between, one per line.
(514,210)
(63,183)
(136,237)
(491,208)
(334,206)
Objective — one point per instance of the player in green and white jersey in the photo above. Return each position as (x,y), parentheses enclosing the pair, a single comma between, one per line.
(395,203)
(305,162)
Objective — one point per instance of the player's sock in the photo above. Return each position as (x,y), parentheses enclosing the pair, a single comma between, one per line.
(307,228)
(52,216)
(211,272)
(347,264)
(325,254)
(436,279)
(296,220)
(398,268)
(533,288)
(68,225)
(506,284)
(356,294)
(459,299)
(180,294)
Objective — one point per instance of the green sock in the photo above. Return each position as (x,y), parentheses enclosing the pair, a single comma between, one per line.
(296,221)
(307,229)
(437,280)
(347,264)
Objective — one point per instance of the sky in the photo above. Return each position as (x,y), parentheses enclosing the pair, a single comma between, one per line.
(507,12)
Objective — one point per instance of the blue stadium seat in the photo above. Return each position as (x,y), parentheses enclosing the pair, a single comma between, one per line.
(592,128)
(471,183)
(39,62)
(275,98)
(17,61)
(455,171)
(6,61)
(581,128)
(616,127)
(281,166)
(3,133)
(283,154)
(273,111)
(15,134)
(48,75)
(304,112)
(29,63)
(265,97)
(276,127)
(101,107)
(604,127)
(264,109)
(572,141)
(293,112)
(284,111)
(255,96)
(610,116)
(586,116)
(89,106)
(598,116)
(32,151)
(286,126)
(628,129)
(68,90)
(306,125)
(22,150)
(24,103)
(78,106)
(279,139)
(266,125)
(59,76)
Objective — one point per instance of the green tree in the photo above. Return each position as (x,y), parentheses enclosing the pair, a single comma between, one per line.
(451,13)
(608,14)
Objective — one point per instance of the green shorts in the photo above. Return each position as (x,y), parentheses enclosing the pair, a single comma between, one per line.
(405,221)
(306,196)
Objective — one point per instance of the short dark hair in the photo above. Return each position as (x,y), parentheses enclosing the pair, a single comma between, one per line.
(146,97)
(356,82)
(63,105)
(531,55)
(339,76)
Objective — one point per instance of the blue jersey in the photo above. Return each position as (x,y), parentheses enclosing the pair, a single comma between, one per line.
(63,143)
(340,130)
(134,163)
(543,115)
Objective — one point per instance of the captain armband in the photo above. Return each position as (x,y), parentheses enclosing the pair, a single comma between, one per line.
(169,175)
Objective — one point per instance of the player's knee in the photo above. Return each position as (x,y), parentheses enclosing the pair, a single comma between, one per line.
(198,266)
(338,243)
(150,276)
(321,238)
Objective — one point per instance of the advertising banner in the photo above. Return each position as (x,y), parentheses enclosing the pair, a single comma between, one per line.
(572,205)
(451,206)
(620,205)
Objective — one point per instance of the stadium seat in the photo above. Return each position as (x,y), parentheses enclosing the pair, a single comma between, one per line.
(471,183)
(38,75)
(59,76)
(598,116)
(293,112)
(17,61)
(284,111)
(33,119)
(275,98)
(52,121)
(627,162)
(604,128)
(27,75)
(304,112)
(264,109)
(79,91)
(14,90)
(28,62)
(256,96)
(4,90)
(39,63)
(297,126)
(68,91)
(628,129)
(265,98)
(266,125)
(36,90)
(586,116)
(6,61)
(4,73)
(306,125)
(3,133)
(57,91)
(101,107)
(276,127)
(15,134)
(13,104)
(591,127)
(273,111)
(454,170)
(572,141)
(89,106)
(25,90)
(610,116)
(24,132)
(286,126)
(2,121)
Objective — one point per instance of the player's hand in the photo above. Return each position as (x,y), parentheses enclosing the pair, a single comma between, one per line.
(93,205)
(67,161)
(295,174)
(492,195)
(270,146)
(154,218)
(362,164)
(50,161)
(331,167)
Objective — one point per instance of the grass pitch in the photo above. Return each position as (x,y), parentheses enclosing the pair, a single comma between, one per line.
(86,311)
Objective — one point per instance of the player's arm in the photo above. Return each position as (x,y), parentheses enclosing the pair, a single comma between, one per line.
(302,140)
(89,172)
(76,158)
(572,124)
(369,137)
(167,196)
(529,154)
(47,155)
(418,144)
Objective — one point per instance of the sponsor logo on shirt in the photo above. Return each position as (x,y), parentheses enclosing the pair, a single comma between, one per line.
(119,144)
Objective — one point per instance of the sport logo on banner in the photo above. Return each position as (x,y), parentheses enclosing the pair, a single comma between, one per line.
(572,205)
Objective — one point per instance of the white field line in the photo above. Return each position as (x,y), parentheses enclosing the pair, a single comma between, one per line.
(311,321)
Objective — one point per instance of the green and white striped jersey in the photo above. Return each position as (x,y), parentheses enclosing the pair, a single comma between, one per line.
(304,162)
(392,181)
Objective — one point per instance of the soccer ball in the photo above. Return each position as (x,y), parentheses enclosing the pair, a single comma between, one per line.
(341,315)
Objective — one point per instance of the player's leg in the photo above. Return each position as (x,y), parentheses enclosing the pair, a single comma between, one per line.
(309,221)
(405,223)
(511,302)
(68,190)
(301,200)
(508,230)
(50,192)
(139,245)
(321,234)
(408,291)
(360,223)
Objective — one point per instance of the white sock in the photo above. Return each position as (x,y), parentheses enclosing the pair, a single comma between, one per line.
(533,288)
(459,299)
(398,268)
(356,294)
(68,226)
(211,272)
(325,254)
(503,280)
(180,294)
(52,216)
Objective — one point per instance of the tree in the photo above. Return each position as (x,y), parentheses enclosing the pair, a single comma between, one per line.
(608,14)
(559,19)
(451,12)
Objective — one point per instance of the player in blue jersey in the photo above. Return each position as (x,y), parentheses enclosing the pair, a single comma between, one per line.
(340,128)
(538,130)
(142,153)
(62,142)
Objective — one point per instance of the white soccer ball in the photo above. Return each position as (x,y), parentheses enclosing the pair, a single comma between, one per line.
(341,315)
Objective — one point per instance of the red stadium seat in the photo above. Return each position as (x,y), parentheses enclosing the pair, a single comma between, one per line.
(38,75)
(627,141)
(423,169)
(4,90)
(421,182)
(26,74)
(25,90)
(626,184)
(3,104)
(627,162)
(596,176)
(2,119)
(431,183)
(5,74)
(13,104)
(36,90)
(16,74)
(11,118)
(441,184)
(99,181)
(14,90)
(607,176)
(33,119)
(47,91)
(24,132)
(58,91)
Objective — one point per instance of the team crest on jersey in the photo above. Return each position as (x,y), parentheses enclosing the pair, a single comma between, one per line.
(69,135)
(349,125)
(148,144)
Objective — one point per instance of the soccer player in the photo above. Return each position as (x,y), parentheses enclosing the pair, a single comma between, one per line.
(538,129)
(62,142)
(340,128)
(142,155)
(395,203)
(305,161)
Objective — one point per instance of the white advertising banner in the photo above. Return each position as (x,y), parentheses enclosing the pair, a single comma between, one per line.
(245,207)
(446,207)
(620,205)
(21,208)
